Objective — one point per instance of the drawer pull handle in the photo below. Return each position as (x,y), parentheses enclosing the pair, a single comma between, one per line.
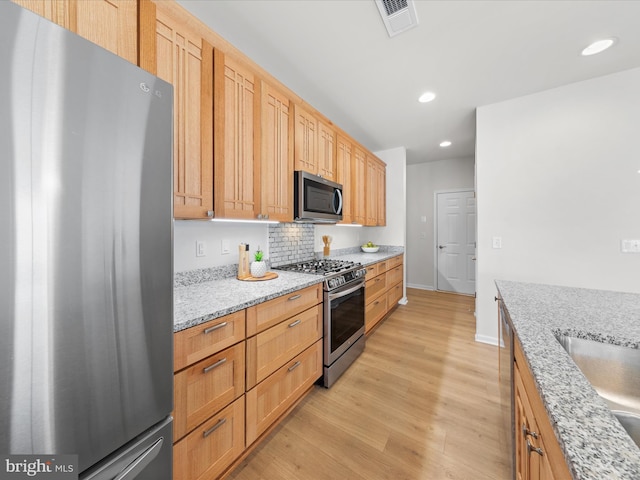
(211,367)
(528,433)
(376,303)
(531,448)
(214,328)
(295,297)
(294,366)
(378,279)
(293,324)
(218,424)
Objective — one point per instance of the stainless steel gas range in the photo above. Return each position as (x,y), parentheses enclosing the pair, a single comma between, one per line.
(343,287)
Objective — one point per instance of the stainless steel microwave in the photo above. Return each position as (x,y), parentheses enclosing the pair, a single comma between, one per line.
(316,199)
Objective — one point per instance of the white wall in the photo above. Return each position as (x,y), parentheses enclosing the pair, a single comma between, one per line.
(557,179)
(187,232)
(423,180)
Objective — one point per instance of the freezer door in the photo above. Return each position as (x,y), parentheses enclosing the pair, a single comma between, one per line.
(146,458)
(86,300)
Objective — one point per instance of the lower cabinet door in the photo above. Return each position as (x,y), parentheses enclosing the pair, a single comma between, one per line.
(207,451)
(205,387)
(394,295)
(273,396)
(374,312)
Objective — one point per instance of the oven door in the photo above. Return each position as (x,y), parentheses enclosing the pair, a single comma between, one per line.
(343,319)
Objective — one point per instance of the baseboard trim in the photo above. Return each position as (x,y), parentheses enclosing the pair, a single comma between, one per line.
(487,339)
(420,287)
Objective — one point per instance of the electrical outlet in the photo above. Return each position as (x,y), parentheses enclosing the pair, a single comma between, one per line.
(497,242)
(201,248)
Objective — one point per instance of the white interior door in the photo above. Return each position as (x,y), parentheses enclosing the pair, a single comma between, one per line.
(456,241)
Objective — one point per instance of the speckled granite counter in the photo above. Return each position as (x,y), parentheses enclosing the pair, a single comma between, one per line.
(196,303)
(594,443)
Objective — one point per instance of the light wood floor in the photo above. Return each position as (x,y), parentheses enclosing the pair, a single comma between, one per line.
(421,403)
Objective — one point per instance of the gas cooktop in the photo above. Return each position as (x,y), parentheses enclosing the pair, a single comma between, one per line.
(321,267)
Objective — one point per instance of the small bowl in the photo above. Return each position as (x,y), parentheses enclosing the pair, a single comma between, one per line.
(370,249)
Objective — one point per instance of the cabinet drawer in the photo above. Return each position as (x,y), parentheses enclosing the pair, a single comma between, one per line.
(271,398)
(269,350)
(204,388)
(207,451)
(394,294)
(268,314)
(394,262)
(374,312)
(394,275)
(375,287)
(372,271)
(196,343)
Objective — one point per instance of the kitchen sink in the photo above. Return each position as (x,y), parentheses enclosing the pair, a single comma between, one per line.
(614,371)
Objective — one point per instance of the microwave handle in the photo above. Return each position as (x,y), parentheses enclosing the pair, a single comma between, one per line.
(337,192)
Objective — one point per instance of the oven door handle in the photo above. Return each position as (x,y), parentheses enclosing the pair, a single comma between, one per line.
(334,296)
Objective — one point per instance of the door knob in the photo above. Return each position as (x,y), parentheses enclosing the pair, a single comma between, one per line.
(442,246)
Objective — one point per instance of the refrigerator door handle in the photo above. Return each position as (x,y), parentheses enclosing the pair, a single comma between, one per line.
(134,468)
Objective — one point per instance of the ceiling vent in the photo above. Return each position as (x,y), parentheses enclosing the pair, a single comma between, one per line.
(397,15)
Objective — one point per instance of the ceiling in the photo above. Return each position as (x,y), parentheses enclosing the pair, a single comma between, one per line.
(337,55)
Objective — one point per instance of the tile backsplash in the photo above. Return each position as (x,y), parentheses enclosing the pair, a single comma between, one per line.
(290,242)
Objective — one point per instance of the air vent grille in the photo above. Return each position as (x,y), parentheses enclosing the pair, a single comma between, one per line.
(392,6)
(398,15)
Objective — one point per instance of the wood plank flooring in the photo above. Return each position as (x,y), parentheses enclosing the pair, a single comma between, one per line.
(421,403)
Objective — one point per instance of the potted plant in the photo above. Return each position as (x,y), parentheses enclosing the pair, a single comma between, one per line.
(259,266)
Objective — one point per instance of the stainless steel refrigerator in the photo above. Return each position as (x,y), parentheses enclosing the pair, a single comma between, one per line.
(86,269)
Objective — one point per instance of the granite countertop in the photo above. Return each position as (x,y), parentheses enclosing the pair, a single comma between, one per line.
(595,445)
(206,300)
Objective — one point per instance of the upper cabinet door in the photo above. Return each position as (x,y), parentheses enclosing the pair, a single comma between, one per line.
(382,194)
(236,153)
(359,183)
(306,141)
(344,176)
(276,165)
(112,24)
(326,151)
(185,60)
(371,188)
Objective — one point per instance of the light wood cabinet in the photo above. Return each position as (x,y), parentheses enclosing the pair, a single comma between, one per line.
(271,398)
(270,313)
(199,342)
(206,387)
(375,192)
(236,107)
(276,162)
(382,194)
(272,348)
(305,140)
(112,24)
(208,451)
(359,181)
(326,151)
(344,176)
(209,387)
(383,289)
(179,54)
(538,454)
(284,355)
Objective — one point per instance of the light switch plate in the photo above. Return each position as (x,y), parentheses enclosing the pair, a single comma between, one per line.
(225,248)
(497,242)
(201,248)
(630,246)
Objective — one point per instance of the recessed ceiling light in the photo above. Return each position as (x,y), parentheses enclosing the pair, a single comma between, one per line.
(599,46)
(426,97)
(446,143)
